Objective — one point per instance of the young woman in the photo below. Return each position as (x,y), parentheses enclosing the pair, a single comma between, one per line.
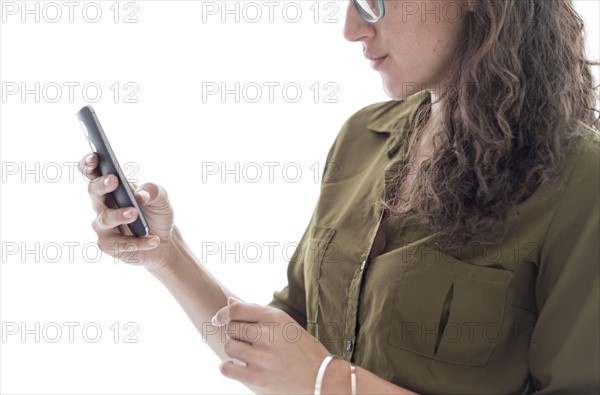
(456,249)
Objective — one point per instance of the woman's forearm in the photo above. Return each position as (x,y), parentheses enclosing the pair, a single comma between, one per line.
(196,290)
(201,295)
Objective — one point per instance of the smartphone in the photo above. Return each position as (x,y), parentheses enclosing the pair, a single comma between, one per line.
(108,164)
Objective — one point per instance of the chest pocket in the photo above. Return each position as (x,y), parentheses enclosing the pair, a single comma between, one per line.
(449,310)
(318,248)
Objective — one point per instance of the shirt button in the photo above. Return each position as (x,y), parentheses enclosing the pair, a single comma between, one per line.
(362,264)
(349,345)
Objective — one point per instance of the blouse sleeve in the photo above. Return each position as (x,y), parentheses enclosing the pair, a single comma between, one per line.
(292,298)
(564,353)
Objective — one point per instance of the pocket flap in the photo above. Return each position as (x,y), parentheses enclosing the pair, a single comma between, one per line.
(448,309)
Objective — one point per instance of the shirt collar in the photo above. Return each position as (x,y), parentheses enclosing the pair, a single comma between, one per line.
(393,118)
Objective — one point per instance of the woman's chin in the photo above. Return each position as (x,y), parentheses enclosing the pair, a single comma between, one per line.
(400,90)
(395,92)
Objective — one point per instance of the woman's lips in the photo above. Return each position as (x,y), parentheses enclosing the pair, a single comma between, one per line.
(376,62)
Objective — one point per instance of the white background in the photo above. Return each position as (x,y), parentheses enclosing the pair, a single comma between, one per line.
(172,135)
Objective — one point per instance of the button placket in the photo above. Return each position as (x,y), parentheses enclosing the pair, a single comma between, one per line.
(354,295)
(390,170)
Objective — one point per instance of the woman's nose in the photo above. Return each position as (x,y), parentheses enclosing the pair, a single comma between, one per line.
(356,28)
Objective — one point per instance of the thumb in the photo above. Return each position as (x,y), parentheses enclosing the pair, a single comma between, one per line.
(153,195)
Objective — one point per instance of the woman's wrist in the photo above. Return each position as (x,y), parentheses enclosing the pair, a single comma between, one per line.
(337,378)
(321,373)
(175,254)
(182,272)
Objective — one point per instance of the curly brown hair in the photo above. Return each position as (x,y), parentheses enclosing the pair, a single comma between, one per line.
(518,93)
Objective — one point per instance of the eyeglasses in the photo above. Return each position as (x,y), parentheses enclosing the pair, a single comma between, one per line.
(370,10)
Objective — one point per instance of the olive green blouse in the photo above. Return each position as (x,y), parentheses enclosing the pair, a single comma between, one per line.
(520,316)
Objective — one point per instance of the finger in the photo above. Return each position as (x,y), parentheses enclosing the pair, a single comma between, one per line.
(142,196)
(231,300)
(110,218)
(116,245)
(239,350)
(109,203)
(152,195)
(240,311)
(237,372)
(99,187)
(247,332)
(88,166)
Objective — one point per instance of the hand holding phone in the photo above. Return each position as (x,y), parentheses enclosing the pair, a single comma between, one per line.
(108,164)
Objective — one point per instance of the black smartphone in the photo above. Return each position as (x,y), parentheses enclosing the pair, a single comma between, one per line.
(108,164)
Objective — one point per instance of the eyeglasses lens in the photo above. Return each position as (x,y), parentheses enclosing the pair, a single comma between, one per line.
(369,9)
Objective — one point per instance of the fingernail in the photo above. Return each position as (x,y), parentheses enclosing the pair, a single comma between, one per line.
(214,320)
(145,195)
(89,159)
(231,300)
(154,242)
(107,181)
(128,213)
